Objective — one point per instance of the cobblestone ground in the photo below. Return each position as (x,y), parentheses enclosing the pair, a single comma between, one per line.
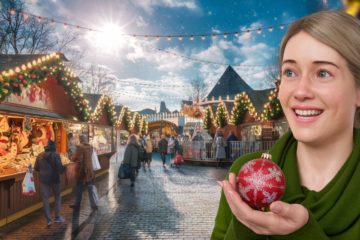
(166,203)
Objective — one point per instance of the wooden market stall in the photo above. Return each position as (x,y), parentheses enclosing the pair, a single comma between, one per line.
(41,100)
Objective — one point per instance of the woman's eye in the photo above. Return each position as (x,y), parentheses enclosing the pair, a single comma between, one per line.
(289,73)
(323,74)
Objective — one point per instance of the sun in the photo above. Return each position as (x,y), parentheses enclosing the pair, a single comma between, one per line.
(109,40)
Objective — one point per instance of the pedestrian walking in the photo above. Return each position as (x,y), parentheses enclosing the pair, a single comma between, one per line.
(49,166)
(84,172)
(231,138)
(220,144)
(132,156)
(149,149)
(163,144)
(142,154)
(171,147)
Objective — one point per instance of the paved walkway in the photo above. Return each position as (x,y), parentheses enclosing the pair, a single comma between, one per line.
(166,203)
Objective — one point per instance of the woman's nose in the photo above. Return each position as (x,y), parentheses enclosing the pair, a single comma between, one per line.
(303,89)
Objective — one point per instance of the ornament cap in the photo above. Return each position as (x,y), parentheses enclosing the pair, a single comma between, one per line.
(266,155)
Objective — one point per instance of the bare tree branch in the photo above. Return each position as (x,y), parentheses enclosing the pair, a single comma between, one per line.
(274,73)
(197,89)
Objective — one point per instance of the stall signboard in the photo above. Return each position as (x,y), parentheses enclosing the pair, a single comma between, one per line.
(267,134)
(31,97)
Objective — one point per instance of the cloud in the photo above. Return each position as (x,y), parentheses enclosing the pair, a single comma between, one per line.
(140,22)
(215,30)
(148,5)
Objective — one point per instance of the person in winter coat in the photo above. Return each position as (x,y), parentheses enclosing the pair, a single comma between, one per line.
(171,146)
(149,149)
(143,155)
(84,172)
(163,145)
(219,144)
(49,166)
(231,138)
(197,137)
(132,156)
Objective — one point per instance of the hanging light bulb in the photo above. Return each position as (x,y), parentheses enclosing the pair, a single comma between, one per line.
(236,34)
(90,30)
(214,36)
(39,19)
(52,22)
(23,67)
(214,64)
(34,63)
(39,60)
(169,38)
(134,36)
(191,37)
(282,26)
(17,69)
(157,37)
(202,62)
(203,37)
(259,30)
(145,37)
(12,11)
(25,15)
(29,65)
(77,28)
(11,72)
(65,25)
(248,32)
(270,29)
(180,37)
(225,35)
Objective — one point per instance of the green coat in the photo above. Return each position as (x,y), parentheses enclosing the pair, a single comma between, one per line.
(334,211)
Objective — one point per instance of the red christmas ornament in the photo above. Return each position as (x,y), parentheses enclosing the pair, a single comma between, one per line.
(69,81)
(6,84)
(62,79)
(42,69)
(32,75)
(21,77)
(21,85)
(79,101)
(47,74)
(15,85)
(24,81)
(84,104)
(261,182)
(53,67)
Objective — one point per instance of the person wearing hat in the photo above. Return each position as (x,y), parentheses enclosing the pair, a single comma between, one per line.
(84,172)
(49,166)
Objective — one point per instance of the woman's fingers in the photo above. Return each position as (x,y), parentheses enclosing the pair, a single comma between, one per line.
(232,180)
(296,213)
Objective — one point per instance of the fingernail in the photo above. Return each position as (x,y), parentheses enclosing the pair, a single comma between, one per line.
(276,208)
(220,183)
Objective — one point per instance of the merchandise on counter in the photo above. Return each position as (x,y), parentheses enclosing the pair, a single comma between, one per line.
(64,158)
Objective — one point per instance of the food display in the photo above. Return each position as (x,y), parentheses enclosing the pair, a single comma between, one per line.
(261,182)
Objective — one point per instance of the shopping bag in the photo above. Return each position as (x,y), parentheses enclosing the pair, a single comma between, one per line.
(95,161)
(94,198)
(28,186)
(124,171)
(70,171)
(178,159)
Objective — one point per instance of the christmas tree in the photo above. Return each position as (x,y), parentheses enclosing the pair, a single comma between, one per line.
(273,109)
(208,118)
(222,116)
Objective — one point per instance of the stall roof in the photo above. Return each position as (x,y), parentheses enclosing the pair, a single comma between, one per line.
(93,99)
(118,110)
(147,111)
(9,61)
(259,98)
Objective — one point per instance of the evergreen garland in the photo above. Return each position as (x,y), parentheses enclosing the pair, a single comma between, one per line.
(242,104)
(145,126)
(222,116)
(126,117)
(137,120)
(273,109)
(104,102)
(208,118)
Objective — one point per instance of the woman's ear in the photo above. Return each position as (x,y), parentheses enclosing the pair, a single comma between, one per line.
(357,97)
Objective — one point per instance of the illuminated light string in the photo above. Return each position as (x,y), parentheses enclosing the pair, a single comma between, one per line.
(165,86)
(155,101)
(210,62)
(141,94)
(26,15)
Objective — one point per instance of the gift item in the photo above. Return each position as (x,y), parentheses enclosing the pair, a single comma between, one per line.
(261,182)
(64,158)
(28,183)
(95,161)
(177,160)
(70,171)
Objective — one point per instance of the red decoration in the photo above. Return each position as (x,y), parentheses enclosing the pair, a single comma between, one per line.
(62,79)
(32,179)
(69,81)
(21,77)
(84,104)
(6,84)
(21,85)
(42,69)
(15,85)
(32,75)
(24,81)
(53,67)
(79,101)
(261,182)
(47,74)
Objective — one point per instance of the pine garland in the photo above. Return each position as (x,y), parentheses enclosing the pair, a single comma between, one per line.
(242,104)
(104,102)
(222,116)
(208,118)
(144,126)
(137,120)
(273,109)
(126,117)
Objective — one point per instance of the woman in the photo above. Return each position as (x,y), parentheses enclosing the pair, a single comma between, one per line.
(149,149)
(171,147)
(219,144)
(320,96)
(132,156)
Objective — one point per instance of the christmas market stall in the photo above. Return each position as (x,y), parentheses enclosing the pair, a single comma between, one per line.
(40,100)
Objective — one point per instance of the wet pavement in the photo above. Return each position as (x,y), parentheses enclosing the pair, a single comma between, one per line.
(165,203)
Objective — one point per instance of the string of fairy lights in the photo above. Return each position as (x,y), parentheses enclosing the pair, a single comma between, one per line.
(26,15)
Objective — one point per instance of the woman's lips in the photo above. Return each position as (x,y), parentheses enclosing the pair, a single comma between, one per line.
(303,118)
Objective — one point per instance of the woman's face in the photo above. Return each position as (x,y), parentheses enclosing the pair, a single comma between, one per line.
(317,90)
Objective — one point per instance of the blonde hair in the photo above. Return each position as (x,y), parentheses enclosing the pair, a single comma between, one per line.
(339,31)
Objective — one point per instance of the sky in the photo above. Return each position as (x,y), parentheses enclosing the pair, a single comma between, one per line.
(139,60)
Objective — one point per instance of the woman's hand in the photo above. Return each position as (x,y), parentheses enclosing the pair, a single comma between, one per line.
(283,219)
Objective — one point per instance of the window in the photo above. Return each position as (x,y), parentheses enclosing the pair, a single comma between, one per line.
(101,139)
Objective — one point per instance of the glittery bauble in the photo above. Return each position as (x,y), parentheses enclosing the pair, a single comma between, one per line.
(261,182)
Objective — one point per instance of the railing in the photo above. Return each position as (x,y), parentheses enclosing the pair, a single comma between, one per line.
(200,150)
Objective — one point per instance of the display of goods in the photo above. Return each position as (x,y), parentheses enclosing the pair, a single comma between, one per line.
(64,158)
(261,182)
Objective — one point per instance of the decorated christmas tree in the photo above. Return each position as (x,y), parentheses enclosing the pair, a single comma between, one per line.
(222,116)
(208,118)
(242,104)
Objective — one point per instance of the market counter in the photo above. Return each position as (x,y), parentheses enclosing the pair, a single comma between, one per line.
(14,205)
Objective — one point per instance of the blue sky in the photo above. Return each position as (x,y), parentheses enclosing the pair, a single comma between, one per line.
(138,60)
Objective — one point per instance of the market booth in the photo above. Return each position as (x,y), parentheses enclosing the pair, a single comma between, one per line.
(40,100)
